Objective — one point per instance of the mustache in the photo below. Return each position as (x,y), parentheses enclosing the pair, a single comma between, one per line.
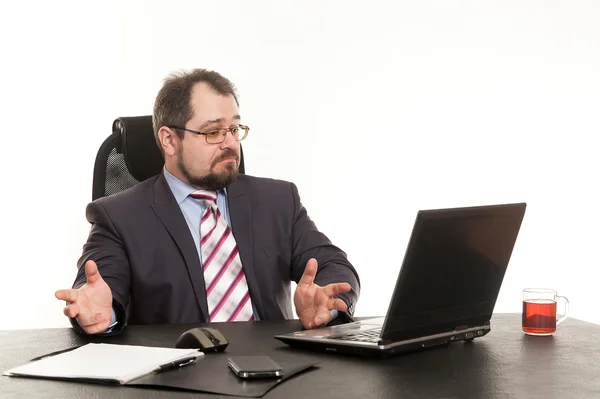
(228,153)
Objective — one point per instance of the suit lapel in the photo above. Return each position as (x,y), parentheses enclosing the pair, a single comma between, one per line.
(240,213)
(169,213)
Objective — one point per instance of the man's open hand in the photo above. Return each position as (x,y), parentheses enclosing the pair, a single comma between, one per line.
(315,303)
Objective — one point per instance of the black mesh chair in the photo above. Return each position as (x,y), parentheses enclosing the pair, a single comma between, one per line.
(128,156)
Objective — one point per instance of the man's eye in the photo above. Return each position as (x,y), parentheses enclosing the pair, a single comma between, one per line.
(235,130)
(213,133)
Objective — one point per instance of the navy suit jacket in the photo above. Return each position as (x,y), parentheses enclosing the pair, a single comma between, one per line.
(146,254)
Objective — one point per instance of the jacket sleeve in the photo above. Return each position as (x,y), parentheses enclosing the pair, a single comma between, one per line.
(334,267)
(105,247)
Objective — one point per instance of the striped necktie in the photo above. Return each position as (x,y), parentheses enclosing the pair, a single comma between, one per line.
(226,287)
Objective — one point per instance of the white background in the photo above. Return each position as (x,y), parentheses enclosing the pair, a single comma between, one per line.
(375,109)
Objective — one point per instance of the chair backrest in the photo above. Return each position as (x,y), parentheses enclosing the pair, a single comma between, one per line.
(128,156)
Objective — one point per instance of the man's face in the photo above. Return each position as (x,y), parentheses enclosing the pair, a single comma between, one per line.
(203,165)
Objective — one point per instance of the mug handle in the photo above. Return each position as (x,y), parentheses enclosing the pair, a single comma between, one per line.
(564,317)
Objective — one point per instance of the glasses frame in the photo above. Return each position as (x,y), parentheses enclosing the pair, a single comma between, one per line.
(224,135)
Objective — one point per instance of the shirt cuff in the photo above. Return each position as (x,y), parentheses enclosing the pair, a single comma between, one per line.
(113,322)
(334,315)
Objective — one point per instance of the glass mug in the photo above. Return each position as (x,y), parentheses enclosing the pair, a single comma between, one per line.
(539,311)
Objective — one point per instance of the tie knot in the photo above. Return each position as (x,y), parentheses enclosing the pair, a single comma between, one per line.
(208,198)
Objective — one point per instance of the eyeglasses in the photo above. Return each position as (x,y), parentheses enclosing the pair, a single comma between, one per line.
(239,133)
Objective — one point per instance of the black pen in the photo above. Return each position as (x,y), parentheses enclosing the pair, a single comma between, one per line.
(177,363)
(55,353)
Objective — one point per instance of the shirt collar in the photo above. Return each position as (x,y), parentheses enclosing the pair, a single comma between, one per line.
(180,189)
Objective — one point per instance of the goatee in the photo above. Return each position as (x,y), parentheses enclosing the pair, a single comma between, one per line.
(213,181)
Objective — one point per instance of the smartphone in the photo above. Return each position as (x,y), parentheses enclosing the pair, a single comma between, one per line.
(255,367)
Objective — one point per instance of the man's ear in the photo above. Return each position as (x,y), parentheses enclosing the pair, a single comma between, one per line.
(168,140)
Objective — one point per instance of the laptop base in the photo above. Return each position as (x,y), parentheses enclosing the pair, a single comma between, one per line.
(382,349)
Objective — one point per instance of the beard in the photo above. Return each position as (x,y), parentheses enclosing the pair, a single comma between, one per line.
(212,181)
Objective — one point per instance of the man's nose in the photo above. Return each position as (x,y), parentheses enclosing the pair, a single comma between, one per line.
(229,141)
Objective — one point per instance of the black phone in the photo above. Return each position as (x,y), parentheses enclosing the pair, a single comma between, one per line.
(255,367)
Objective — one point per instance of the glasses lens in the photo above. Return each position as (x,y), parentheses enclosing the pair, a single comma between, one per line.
(218,136)
(241,133)
(215,137)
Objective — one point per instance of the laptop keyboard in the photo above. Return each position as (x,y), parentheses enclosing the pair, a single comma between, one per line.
(363,336)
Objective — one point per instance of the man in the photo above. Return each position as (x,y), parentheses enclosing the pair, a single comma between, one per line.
(200,243)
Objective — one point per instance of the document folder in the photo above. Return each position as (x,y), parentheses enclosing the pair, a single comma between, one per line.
(128,365)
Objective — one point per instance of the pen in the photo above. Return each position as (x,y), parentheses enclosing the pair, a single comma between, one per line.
(55,353)
(176,363)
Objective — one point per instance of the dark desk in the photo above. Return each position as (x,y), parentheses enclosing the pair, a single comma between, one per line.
(504,364)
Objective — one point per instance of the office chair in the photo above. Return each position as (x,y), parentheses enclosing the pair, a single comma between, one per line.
(128,156)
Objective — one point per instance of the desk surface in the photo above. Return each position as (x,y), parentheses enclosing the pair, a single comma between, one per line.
(504,364)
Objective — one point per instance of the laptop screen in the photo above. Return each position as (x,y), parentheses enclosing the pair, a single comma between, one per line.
(453,269)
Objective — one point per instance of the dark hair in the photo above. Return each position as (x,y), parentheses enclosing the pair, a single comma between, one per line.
(172,106)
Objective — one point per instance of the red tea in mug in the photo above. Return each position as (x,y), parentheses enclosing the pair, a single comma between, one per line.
(539,316)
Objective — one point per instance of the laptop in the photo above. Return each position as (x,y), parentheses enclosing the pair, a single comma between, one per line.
(446,289)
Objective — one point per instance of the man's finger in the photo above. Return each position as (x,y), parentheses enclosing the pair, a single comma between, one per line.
(338,304)
(321,319)
(91,320)
(336,288)
(71,310)
(96,328)
(310,271)
(66,295)
(91,272)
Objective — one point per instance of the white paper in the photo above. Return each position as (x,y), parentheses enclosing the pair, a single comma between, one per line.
(122,363)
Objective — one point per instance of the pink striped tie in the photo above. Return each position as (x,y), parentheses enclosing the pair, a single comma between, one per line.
(226,288)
